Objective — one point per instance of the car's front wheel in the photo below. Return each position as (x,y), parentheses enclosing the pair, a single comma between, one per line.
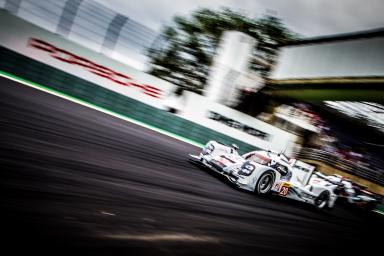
(264,183)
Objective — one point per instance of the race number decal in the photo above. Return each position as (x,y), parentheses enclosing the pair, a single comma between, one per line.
(284,191)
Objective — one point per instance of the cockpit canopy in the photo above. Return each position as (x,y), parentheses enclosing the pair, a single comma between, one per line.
(268,159)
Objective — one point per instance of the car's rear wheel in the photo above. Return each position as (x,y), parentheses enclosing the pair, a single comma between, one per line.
(321,202)
(264,183)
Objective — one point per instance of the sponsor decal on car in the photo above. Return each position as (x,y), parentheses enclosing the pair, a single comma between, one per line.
(282,188)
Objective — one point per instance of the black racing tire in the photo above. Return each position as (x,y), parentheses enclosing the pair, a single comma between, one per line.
(321,202)
(264,183)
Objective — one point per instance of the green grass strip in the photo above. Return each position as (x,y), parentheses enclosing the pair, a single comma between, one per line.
(95,107)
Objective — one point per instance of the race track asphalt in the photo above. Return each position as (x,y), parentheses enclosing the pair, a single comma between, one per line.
(75,181)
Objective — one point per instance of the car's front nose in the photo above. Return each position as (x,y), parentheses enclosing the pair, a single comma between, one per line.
(233,175)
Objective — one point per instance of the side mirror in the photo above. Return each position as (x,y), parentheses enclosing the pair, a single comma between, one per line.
(282,169)
(235,146)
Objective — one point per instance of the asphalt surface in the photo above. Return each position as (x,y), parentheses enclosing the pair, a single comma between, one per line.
(77,181)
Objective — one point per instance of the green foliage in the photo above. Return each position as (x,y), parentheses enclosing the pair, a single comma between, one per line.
(190,43)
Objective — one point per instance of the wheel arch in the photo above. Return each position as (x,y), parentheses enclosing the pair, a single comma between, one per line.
(259,176)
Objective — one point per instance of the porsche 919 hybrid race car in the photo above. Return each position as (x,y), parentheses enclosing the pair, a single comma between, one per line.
(266,172)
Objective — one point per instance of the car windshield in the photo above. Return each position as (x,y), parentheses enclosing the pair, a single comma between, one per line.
(258,159)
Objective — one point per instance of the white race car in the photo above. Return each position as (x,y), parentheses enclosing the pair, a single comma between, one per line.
(265,171)
(355,194)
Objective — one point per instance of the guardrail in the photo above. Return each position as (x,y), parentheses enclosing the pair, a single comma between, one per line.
(371,174)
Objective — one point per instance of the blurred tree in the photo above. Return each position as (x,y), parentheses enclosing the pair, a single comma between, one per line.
(189,44)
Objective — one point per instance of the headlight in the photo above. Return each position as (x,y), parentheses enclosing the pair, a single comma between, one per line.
(246,169)
(208,149)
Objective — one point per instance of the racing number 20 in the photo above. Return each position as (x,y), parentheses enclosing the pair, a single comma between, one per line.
(284,191)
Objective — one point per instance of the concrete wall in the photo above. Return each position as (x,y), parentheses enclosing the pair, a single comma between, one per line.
(199,109)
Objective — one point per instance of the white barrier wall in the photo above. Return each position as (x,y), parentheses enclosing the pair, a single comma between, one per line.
(56,51)
(236,124)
